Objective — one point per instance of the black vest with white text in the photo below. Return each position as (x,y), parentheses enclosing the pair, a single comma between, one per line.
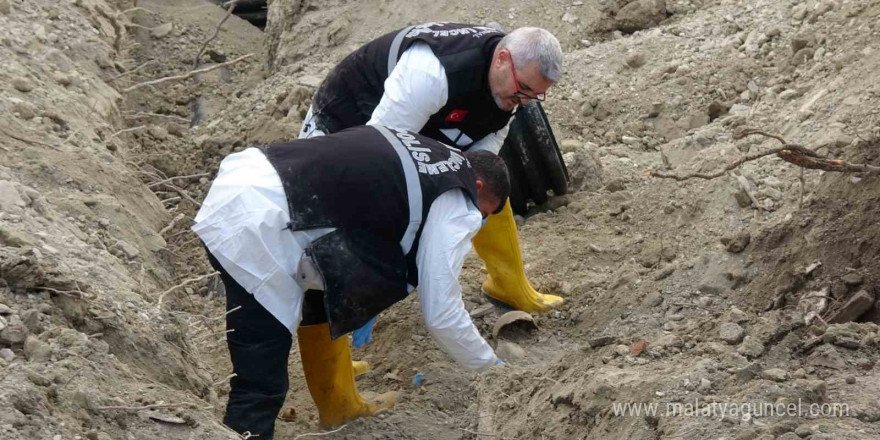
(375,186)
(353,89)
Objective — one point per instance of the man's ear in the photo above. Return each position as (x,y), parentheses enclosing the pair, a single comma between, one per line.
(502,56)
(479,184)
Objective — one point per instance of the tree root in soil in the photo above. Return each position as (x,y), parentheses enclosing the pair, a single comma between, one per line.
(792,153)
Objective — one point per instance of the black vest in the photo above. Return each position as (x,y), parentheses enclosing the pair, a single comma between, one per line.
(352,90)
(375,185)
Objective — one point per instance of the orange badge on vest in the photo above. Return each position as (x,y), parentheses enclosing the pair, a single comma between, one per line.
(456,115)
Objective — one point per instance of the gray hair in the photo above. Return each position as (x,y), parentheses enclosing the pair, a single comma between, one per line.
(528,44)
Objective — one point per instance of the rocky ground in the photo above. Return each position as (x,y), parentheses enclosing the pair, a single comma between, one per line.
(700,292)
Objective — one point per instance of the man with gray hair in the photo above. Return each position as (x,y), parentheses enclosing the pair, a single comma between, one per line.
(458,84)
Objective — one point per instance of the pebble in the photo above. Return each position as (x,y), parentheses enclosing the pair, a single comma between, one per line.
(15,333)
(776,375)
(751,347)
(7,355)
(731,333)
(739,109)
(788,95)
(705,385)
(510,352)
(668,341)
(630,140)
(483,310)
(601,341)
(737,243)
(771,193)
(621,350)
(5,8)
(25,110)
(635,60)
(162,30)
(62,79)
(653,299)
(852,279)
(738,316)
(569,145)
(22,85)
(130,251)
(36,350)
(850,380)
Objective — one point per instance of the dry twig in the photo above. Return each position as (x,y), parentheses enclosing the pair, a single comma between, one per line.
(217,318)
(140,115)
(792,153)
(136,9)
(178,177)
(154,406)
(176,219)
(132,71)
(319,434)
(69,293)
(205,336)
(185,75)
(127,130)
(477,433)
(183,193)
(184,283)
(224,380)
(231,7)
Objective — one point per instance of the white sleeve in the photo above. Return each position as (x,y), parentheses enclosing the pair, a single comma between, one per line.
(415,90)
(446,240)
(493,142)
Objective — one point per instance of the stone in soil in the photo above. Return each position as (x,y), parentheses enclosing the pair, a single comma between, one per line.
(15,332)
(736,243)
(36,350)
(22,85)
(776,375)
(751,347)
(641,14)
(857,306)
(731,333)
(162,30)
(510,352)
(636,60)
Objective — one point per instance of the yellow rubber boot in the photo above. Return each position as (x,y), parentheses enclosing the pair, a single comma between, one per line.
(330,377)
(360,367)
(498,245)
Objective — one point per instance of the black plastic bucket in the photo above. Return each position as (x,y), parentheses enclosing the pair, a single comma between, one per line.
(533,159)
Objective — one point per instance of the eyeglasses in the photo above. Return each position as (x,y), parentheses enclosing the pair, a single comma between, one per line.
(516,85)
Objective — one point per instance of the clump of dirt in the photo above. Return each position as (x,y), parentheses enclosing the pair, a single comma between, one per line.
(677,293)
